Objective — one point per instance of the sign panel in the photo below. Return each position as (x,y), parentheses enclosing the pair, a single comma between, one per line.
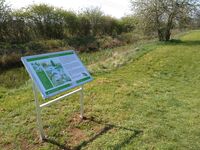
(54,73)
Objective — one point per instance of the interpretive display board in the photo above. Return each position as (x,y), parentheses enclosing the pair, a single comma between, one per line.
(57,72)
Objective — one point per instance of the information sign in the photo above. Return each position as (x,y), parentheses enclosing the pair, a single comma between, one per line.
(54,73)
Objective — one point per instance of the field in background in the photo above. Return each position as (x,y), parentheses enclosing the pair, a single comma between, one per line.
(143,97)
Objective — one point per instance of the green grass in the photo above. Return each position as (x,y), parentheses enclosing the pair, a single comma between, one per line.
(150,100)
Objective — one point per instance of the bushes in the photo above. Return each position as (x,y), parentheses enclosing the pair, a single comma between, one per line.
(128,38)
(8,60)
(10,54)
(42,28)
(109,42)
(47,22)
(45,44)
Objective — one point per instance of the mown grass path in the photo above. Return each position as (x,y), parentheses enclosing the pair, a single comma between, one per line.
(151,103)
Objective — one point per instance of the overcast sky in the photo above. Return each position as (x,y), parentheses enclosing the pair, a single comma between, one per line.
(115,8)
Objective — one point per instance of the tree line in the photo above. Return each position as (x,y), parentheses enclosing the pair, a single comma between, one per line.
(42,21)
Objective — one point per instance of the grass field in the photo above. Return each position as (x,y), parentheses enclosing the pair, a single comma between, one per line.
(150,100)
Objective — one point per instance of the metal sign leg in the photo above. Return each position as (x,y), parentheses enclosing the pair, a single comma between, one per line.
(39,107)
(81,102)
(38,111)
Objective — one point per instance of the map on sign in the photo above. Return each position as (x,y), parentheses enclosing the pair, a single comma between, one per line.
(54,73)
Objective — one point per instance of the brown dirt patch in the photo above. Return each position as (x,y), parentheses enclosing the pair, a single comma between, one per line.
(25,145)
(76,136)
(75,120)
(7,146)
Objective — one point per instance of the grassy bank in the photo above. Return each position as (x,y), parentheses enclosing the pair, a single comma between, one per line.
(150,101)
(97,62)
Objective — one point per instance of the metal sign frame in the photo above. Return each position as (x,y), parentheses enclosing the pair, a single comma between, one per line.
(37,88)
(40,106)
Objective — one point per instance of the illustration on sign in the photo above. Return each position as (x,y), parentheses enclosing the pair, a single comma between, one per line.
(56,72)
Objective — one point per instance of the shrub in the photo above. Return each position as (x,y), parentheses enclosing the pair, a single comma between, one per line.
(128,38)
(109,42)
(8,60)
(51,44)
(36,45)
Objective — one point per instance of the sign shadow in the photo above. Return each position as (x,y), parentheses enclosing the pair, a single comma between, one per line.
(108,127)
(54,142)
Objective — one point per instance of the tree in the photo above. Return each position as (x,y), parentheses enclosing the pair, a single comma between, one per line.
(94,17)
(20,27)
(128,23)
(71,22)
(110,26)
(161,15)
(4,19)
(196,19)
(48,21)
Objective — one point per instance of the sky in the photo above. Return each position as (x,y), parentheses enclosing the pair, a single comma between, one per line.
(115,8)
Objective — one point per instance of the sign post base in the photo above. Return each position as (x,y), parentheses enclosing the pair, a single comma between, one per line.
(40,106)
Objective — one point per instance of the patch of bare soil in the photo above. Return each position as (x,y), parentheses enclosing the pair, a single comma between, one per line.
(76,136)
(7,146)
(75,120)
(24,145)
(79,136)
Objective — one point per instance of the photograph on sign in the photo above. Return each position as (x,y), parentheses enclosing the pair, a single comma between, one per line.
(54,73)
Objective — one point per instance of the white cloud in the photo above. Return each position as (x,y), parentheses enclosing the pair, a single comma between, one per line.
(116,8)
